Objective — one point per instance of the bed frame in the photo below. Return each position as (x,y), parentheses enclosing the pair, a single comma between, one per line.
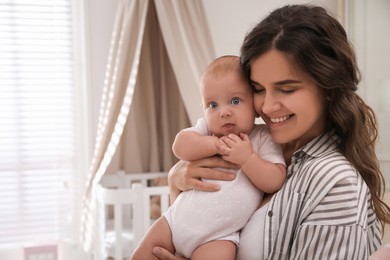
(123,211)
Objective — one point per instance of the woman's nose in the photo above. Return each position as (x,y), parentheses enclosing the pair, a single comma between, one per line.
(270,104)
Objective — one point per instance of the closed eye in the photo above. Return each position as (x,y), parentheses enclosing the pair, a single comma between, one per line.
(257,89)
(287,91)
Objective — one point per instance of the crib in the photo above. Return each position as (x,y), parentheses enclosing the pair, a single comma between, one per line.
(123,212)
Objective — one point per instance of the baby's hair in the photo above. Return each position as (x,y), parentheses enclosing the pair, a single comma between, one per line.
(223,64)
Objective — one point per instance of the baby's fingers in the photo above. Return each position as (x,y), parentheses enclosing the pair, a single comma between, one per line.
(244,137)
(231,139)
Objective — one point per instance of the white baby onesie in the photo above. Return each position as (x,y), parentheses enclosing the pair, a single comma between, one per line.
(197,217)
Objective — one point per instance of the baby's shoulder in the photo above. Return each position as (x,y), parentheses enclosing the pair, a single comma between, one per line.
(260,130)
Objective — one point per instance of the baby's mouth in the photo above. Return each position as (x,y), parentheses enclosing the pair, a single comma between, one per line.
(228,126)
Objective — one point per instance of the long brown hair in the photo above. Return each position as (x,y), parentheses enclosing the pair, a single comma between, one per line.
(318,45)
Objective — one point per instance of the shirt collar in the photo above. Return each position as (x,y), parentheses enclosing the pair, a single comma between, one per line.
(323,143)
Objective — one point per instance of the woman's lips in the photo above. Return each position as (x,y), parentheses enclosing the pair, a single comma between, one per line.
(277,121)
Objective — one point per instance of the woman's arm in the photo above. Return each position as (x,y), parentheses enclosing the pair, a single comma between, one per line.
(382,254)
(185,175)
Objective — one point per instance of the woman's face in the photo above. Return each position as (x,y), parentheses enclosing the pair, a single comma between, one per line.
(289,102)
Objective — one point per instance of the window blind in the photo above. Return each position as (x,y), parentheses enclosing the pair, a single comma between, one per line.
(37,120)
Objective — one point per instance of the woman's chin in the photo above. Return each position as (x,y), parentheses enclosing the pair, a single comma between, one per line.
(279,137)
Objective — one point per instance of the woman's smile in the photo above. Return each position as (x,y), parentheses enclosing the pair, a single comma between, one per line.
(277,120)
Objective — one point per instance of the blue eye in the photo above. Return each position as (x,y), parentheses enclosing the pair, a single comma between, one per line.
(213,104)
(235,101)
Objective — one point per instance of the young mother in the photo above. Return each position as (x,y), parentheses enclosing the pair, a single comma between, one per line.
(304,76)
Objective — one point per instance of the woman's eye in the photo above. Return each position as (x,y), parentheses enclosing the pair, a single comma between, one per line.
(213,104)
(235,101)
(256,90)
(287,91)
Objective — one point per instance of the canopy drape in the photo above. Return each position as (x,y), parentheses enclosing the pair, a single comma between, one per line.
(190,47)
(151,90)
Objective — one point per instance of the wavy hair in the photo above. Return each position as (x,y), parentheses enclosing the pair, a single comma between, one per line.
(318,45)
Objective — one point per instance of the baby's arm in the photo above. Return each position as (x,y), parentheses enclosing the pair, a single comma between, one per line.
(265,175)
(190,145)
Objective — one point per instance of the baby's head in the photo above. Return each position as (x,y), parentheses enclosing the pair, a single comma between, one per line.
(227,98)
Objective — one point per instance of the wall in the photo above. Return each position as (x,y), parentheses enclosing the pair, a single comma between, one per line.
(230,20)
(375,60)
(99,20)
(377,71)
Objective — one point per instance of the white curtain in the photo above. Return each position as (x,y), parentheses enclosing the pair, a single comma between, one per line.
(141,110)
(188,41)
(118,89)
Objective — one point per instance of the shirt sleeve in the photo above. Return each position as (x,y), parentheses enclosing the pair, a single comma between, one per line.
(200,127)
(341,226)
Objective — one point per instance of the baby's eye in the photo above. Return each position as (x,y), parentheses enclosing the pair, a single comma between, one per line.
(235,101)
(213,104)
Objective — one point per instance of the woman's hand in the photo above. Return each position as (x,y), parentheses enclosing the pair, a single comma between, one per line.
(163,254)
(185,175)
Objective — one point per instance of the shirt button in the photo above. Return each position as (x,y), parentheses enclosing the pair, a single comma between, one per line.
(300,154)
(270,213)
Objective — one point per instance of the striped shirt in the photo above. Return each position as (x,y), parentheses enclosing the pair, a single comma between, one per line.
(323,211)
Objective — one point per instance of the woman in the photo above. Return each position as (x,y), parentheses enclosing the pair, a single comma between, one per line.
(304,76)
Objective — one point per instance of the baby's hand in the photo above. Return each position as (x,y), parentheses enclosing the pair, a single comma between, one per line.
(235,149)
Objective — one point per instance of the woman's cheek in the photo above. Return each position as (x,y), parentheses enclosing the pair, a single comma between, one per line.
(258,104)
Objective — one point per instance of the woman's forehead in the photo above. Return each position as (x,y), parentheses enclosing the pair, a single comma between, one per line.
(273,67)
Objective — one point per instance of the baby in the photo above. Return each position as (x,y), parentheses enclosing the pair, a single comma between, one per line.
(206,225)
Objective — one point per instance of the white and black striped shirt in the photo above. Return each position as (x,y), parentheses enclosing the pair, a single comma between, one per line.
(323,211)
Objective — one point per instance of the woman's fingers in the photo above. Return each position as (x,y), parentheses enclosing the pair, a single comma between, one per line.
(213,162)
(186,175)
(215,173)
(198,184)
(163,254)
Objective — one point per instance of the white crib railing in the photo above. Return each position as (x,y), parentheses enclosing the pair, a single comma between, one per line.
(130,196)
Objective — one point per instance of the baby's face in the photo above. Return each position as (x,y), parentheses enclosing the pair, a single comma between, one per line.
(228,104)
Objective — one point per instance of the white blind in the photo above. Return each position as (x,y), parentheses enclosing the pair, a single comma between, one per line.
(37,119)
